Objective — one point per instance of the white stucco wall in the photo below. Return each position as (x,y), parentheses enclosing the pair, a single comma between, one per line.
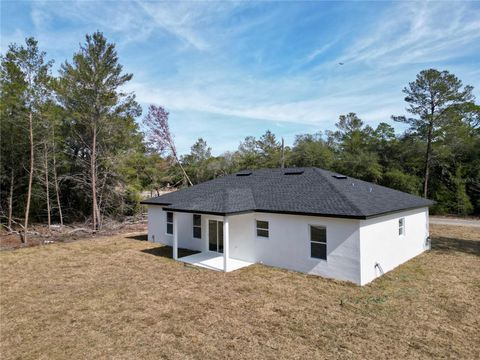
(288,244)
(157,226)
(157,229)
(353,246)
(380,242)
(242,237)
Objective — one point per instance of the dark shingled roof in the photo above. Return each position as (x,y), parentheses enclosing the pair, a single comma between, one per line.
(306,191)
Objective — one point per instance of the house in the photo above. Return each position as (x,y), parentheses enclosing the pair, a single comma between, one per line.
(304,219)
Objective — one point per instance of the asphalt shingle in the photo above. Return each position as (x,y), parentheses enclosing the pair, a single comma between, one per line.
(313,192)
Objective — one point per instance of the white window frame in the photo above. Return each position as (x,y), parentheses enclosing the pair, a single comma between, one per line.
(262,229)
(196,226)
(401,227)
(168,222)
(318,242)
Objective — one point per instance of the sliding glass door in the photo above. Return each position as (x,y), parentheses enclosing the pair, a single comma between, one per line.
(215,236)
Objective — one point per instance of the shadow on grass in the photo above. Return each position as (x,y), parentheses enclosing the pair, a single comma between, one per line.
(143,237)
(449,244)
(167,252)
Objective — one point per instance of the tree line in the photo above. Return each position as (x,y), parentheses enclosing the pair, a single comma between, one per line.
(72,150)
(438,156)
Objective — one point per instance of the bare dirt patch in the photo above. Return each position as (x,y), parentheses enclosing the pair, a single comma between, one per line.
(120,297)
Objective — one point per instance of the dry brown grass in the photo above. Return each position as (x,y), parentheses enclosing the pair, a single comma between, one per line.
(117,297)
(455,232)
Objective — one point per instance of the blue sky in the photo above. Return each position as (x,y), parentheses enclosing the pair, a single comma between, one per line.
(226,70)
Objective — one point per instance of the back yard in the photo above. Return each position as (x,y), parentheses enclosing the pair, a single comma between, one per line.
(119,297)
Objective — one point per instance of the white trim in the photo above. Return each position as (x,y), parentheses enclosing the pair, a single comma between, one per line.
(175,236)
(205,220)
(217,219)
(226,242)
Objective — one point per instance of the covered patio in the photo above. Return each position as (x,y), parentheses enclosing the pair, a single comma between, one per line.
(216,254)
(214,261)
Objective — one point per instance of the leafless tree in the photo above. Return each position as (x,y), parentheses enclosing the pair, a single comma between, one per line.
(159,135)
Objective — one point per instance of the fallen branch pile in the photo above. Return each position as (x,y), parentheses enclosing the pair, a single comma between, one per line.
(40,234)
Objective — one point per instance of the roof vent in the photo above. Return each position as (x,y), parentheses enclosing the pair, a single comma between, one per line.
(339,176)
(293,172)
(244,173)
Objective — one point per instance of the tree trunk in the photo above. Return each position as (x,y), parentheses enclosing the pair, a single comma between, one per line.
(12,178)
(47,190)
(30,177)
(93,170)
(100,193)
(99,217)
(184,173)
(428,156)
(55,179)
(10,201)
(181,167)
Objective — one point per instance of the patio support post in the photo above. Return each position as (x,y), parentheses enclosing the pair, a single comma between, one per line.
(226,242)
(175,236)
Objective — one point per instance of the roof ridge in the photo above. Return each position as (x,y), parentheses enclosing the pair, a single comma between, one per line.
(338,191)
(245,191)
(253,198)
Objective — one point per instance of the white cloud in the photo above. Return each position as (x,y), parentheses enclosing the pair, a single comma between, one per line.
(379,60)
(40,18)
(17,37)
(379,63)
(315,53)
(317,111)
(125,20)
(134,21)
(418,32)
(177,19)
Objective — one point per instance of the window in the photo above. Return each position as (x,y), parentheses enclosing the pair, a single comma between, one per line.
(318,242)
(169,223)
(197,226)
(262,228)
(401,226)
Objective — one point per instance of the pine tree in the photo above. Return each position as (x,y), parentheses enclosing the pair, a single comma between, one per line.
(430,97)
(34,77)
(99,112)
